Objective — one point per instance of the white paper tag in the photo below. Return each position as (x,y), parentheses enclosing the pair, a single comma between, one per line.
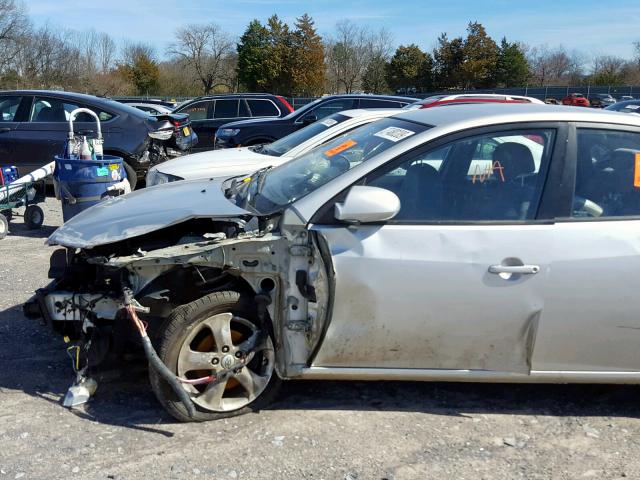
(395,134)
(329,122)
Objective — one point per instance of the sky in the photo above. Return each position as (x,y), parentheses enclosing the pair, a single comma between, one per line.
(586,25)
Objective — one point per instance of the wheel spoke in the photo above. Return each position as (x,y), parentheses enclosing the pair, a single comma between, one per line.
(212,396)
(220,326)
(189,360)
(251,382)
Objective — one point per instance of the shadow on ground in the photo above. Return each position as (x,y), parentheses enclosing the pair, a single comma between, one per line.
(34,361)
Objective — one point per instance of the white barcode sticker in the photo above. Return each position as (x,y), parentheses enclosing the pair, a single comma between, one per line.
(395,134)
(329,122)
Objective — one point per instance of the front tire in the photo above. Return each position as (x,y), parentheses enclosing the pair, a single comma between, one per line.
(201,337)
(33,217)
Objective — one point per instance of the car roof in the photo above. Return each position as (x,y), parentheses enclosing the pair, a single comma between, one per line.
(469,116)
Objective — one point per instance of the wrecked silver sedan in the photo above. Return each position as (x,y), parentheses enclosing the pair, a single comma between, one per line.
(466,243)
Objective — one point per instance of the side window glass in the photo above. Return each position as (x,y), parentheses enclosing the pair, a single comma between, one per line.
(47,109)
(226,109)
(607,174)
(369,103)
(262,108)
(493,177)
(198,110)
(333,106)
(8,108)
(243,111)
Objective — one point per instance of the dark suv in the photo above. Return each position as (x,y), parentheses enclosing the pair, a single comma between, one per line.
(34,126)
(253,132)
(210,112)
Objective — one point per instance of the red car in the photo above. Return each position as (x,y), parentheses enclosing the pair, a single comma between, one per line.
(576,100)
(464,98)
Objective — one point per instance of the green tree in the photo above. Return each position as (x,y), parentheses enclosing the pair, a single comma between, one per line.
(447,61)
(279,56)
(141,68)
(480,55)
(410,68)
(512,68)
(306,67)
(253,49)
(374,78)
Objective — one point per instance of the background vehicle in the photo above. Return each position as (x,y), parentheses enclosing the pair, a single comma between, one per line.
(453,222)
(34,126)
(466,98)
(253,132)
(147,101)
(629,106)
(552,101)
(624,98)
(210,112)
(151,108)
(575,100)
(240,161)
(601,100)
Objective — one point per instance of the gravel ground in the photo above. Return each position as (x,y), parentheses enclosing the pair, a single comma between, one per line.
(316,430)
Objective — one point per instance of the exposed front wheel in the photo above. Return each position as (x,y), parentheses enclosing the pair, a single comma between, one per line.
(207,338)
(4,226)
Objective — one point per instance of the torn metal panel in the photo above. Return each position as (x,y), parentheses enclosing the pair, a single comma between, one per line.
(146,211)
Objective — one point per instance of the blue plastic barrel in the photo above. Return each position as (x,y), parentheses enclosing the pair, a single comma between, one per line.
(83,183)
(8,174)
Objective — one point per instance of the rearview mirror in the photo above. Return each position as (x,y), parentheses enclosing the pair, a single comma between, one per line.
(309,119)
(367,205)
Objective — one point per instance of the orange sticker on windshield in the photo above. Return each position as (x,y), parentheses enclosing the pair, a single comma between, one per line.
(636,172)
(340,148)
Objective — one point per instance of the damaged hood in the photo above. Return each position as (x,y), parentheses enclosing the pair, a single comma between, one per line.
(145,211)
(217,163)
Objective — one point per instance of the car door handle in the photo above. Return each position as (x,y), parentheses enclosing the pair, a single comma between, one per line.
(522,269)
(5,129)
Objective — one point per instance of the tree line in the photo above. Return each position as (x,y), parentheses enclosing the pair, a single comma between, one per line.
(292,60)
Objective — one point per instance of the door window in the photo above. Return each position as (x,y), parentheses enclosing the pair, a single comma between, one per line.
(226,109)
(198,110)
(607,174)
(493,177)
(46,109)
(262,108)
(8,108)
(374,103)
(331,107)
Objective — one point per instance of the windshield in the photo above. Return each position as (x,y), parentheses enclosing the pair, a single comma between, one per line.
(285,144)
(269,190)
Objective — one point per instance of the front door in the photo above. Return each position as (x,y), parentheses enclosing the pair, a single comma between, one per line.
(456,279)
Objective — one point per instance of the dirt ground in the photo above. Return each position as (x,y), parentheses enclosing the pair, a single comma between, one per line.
(316,430)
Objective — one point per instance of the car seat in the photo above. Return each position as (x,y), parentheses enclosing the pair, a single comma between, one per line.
(420,194)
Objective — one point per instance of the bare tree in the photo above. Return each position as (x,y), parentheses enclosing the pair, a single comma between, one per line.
(14,26)
(106,52)
(555,66)
(348,55)
(205,49)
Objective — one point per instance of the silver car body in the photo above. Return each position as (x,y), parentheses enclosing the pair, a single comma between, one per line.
(240,161)
(398,301)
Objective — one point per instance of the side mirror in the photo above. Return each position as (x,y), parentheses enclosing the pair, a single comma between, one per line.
(367,205)
(309,119)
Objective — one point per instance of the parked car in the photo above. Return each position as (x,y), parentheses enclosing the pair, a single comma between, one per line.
(254,132)
(244,160)
(576,100)
(34,126)
(552,101)
(629,106)
(624,98)
(431,245)
(601,100)
(151,108)
(210,112)
(469,98)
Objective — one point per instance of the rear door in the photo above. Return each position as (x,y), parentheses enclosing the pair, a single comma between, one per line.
(12,108)
(456,280)
(592,319)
